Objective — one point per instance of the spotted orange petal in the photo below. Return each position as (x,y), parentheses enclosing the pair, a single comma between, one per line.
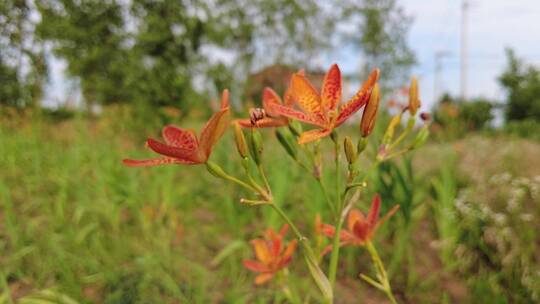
(263,278)
(374,211)
(270,97)
(287,254)
(313,135)
(170,151)
(354,216)
(214,129)
(331,89)
(359,99)
(180,138)
(155,162)
(255,266)
(330,231)
(295,114)
(362,231)
(303,92)
(262,251)
(386,216)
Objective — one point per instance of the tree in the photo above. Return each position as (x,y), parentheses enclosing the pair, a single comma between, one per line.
(522,84)
(22,59)
(380,33)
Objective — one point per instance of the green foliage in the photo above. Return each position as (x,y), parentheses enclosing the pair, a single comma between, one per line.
(528,128)
(476,114)
(522,83)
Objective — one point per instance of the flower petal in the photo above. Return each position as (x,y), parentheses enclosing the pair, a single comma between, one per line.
(262,251)
(255,266)
(386,216)
(225,99)
(266,122)
(284,230)
(295,114)
(213,130)
(331,89)
(362,231)
(359,99)
(303,92)
(155,162)
(263,278)
(313,135)
(291,248)
(170,151)
(354,216)
(180,138)
(374,211)
(270,97)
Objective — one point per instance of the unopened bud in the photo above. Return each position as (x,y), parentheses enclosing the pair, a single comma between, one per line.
(295,127)
(414,101)
(287,144)
(241,144)
(350,151)
(421,138)
(256,146)
(370,112)
(389,133)
(362,144)
(215,170)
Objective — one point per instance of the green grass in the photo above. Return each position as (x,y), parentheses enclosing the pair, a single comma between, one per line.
(76,225)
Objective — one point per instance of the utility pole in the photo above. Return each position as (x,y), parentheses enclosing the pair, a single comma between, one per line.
(439,55)
(463,59)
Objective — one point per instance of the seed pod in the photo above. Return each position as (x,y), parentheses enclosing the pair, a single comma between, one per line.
(421,138)
(389,133)
(241,144)
(256,145)
(414,101)
(362,144)
(215,170)
(370,112)
(350,151)
(289,147)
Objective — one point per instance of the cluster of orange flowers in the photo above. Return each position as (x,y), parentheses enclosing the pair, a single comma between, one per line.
(301,102)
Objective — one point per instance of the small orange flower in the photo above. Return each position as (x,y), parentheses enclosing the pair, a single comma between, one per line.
(271,254)
(182,145)
(359,228)
(321,109)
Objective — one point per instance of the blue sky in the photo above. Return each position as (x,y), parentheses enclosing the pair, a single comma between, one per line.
(493,26)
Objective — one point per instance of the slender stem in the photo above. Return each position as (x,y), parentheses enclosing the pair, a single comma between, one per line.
(334,258)
(408,129)
(327,198)
(381,272)
(263,175)
(288,220)
(241,183)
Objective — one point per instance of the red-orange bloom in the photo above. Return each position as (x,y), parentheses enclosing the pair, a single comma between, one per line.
(359,228)
(182,145)
(321,109)
(271,253)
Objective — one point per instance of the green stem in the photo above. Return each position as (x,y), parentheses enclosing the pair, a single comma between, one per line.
(327,198)
(334,258)
(263,175)
(381,272)
(410,125)
(288,220)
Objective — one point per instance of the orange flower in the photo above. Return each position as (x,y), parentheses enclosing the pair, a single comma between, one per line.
(321,109)
(271,118)
(182,146)
(271,254)
(359,228)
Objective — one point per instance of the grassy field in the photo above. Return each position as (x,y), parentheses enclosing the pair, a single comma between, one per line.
(78,226)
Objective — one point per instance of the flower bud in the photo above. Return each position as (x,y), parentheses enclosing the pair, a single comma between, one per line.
(215,170)
(414,101)
(295,127)
(362,144)
(389,133)
(287,144)
(256,145)
(425,116)
(350,151)
(370,112)
(241,144)
(421,138)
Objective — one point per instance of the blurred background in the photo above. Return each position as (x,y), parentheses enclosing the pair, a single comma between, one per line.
(83,83)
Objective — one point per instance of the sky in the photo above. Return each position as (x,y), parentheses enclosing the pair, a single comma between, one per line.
(493,25)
